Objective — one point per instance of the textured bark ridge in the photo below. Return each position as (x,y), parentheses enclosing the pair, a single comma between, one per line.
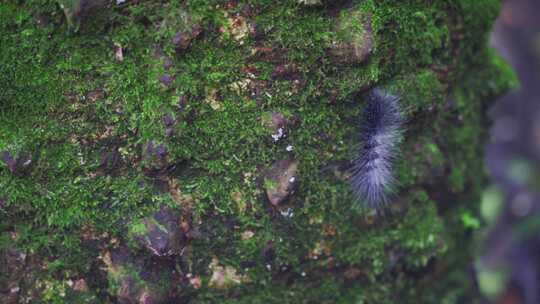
(197,151)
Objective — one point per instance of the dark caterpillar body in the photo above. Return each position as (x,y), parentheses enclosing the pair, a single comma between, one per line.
(381,131)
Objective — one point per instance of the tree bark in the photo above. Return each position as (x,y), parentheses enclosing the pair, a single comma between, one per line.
(198,151)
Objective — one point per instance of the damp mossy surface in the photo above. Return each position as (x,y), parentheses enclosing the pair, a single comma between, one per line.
(83,105)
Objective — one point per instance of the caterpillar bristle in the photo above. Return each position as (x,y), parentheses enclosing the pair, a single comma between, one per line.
(381,131)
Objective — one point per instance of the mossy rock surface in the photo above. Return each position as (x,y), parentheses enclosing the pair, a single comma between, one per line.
(143,105)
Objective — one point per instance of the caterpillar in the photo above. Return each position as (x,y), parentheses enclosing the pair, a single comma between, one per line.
(380,132)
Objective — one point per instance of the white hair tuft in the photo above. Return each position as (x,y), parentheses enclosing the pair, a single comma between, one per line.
(381,131)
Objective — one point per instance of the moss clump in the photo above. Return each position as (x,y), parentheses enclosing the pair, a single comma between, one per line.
(121,118)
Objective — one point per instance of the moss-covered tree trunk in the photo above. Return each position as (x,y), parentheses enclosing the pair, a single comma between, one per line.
(197,151)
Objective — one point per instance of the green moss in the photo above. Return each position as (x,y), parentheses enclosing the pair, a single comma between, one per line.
(420,91)
(138,228)
(133,280)
(413,34)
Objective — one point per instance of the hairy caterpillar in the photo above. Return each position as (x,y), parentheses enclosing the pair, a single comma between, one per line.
(381,131)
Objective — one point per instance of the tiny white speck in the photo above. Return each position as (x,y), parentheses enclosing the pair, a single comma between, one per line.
(303,274)
(269,267)
(118,2)
(289,148)
(292,179)
(288,213)
(279,135)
